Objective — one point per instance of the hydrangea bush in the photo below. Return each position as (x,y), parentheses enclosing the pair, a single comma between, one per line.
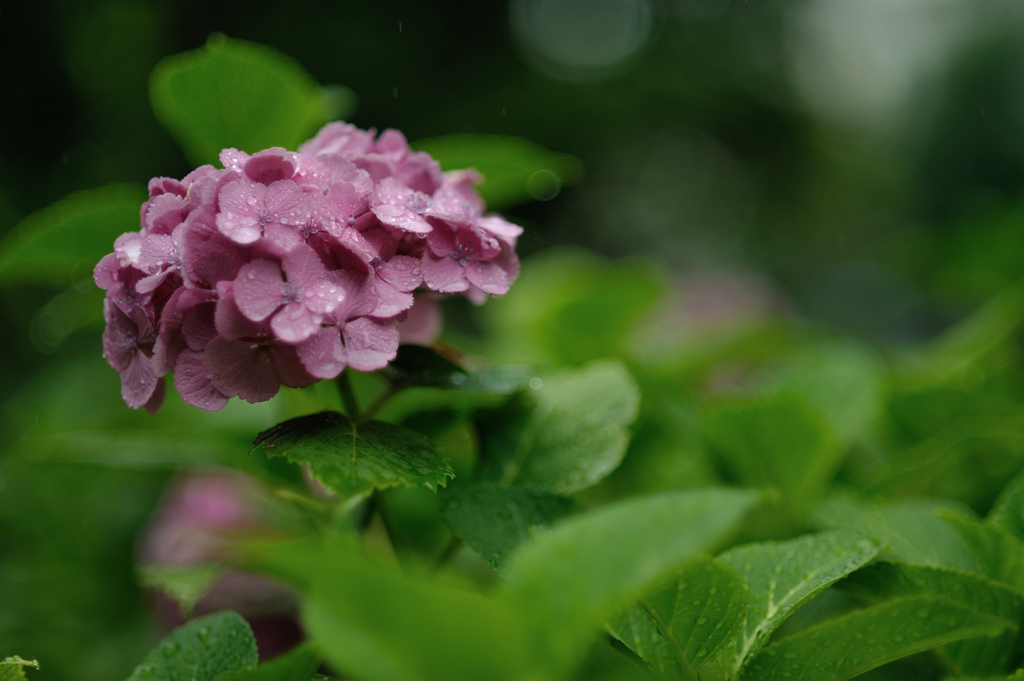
(602,493)
(283,268)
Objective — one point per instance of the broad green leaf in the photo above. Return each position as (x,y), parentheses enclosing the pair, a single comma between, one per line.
(965,344)
(777,441)
(514,169)
(853,644)
(299,664)
(565,436)
(376,624)
(576,575)
(493,520)
(233,93)
(693,617)
(568,307)
(356,459)
(910,528)
(13,668)
(1008,511)
(59,245)
(887,581)
(201,650)
(782,576)
(186,584)
(845,381)
(1000,554)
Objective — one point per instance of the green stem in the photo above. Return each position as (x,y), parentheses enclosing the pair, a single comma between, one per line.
(392,390)
(685,671)
(447,552)
(348,396)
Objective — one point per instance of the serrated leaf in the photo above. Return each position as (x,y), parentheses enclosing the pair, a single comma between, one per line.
(356,459)
(1000,554)
(782,576)
(577,574)
(894,580)
(693,616)
(853,644)
(298,664)
(778,441)
(493,520)
(201,650)
(514,169)
(233,93)
(186,584)
(910,528)
(60,244)
(13,668)
(1008,511)
(565,436)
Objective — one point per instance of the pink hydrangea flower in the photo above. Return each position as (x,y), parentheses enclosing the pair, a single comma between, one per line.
(283,268)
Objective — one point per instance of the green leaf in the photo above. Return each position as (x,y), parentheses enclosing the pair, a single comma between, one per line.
(853,644)
(374,623)
(999,553)
(782,576)
(233,93)
(186,584)
(201,650)
(694,616)
(1008,511)
(493,520)
(887,581)
(910,528)
(565,436)
(580,572)
(777,441)
(356,459)
(299,664)
(12,668)
(845,381)
(514,169)
(59,245)
(568,307)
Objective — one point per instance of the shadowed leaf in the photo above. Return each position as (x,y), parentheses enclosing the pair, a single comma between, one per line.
(356,459)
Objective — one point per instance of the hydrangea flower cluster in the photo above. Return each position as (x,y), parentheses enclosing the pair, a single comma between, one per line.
(286,267)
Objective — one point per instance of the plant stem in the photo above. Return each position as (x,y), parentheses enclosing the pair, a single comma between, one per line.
(392,390)
(348,396)
(447,552)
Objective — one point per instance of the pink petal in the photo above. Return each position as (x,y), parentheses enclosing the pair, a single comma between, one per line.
(259,289)
(239,368)
(390,301)
(403,272)
(371,343)
(323,355)
(156,401)
(289,368)
(165,212)
(239,203)
(489,276)
(138,381)
(270,165)
(195,384)
(294,323)
(423,322)
(230,321)
(443,274)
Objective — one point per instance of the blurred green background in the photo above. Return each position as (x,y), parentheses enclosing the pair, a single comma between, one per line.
(854,164)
